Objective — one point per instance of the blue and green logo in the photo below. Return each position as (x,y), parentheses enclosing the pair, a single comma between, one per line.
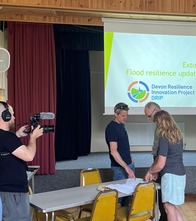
(138,91)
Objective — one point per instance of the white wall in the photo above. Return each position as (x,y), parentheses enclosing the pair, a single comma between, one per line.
(99,121)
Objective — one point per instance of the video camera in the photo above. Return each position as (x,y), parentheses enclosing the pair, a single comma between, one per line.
(34,122)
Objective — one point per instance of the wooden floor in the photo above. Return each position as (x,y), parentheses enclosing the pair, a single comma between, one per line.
(189,208)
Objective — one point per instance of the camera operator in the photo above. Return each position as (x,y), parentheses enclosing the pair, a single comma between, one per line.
(13,157)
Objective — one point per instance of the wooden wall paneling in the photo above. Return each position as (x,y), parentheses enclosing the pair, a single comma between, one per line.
(90,12)
(167,6)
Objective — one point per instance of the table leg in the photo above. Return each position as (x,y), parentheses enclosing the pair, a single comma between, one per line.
(157,207)
(53,216)
(46,216)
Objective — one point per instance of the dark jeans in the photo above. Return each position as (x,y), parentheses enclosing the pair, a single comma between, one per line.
(119,173)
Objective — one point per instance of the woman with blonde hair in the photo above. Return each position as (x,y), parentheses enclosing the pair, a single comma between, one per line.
(169,162)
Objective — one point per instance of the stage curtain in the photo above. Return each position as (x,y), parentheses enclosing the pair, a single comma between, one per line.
(32,83)
(73,122)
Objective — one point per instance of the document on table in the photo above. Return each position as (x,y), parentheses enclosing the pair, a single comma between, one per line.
(126,188)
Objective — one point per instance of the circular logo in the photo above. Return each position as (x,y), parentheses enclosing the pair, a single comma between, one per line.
(138,91)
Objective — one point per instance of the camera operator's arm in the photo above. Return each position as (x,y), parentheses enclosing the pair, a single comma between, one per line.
(27,153)
(21,133)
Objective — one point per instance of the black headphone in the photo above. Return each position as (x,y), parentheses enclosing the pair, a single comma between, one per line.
(6,115)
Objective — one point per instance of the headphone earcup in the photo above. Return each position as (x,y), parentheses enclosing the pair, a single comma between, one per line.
(6,115)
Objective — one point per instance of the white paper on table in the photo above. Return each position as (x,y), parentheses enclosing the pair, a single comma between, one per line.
(126,188)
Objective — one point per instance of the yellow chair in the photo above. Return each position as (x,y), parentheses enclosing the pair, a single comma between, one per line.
(104,208)
(90,176)
(87,177)
(142,206)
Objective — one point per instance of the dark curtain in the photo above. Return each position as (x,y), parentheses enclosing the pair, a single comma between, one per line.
(73,118)
(3,25)
(32,82)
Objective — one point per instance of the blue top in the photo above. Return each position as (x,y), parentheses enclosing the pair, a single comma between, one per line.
(116,132)
(173,153)
(13,176)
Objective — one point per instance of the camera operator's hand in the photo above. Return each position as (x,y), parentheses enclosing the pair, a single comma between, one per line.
(37,132)
(21,133)
(27,153)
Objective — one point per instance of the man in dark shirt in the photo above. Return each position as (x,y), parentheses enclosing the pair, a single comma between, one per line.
(13,157)
(118,143)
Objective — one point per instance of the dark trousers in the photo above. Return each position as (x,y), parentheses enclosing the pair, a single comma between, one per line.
(163,214)
(119,173)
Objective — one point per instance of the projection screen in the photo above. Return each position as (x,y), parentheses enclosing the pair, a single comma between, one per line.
(147,60)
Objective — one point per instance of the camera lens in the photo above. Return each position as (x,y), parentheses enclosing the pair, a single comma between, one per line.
(48,128)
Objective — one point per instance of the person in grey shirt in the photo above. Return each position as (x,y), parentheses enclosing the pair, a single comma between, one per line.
(169,163)
(151,108)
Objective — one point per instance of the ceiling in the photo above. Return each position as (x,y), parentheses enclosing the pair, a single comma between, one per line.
(75,15)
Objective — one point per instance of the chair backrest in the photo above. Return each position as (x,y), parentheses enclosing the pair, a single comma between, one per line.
(105,206)
(90,176)
(143,198)
(30,190)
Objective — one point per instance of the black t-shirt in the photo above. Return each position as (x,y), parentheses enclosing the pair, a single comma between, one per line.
(13,176)
(116,132)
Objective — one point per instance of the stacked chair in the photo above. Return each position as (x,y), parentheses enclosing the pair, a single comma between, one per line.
(88,177)
(142,206)
(104,208)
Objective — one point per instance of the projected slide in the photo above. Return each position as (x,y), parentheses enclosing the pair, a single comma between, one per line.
(150,67)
